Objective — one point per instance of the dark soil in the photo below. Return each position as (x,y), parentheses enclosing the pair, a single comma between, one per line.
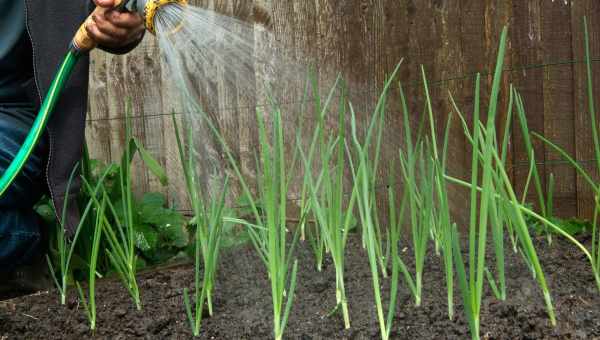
(243,304)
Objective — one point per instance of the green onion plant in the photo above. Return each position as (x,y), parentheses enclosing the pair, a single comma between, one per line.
(119,218)
(209,223)
(268,233)
(121,235)
(543,203)
(483,214)
(373,166)
(443,218)
(471,283)
(304,199)
(121,251)
(65,247)
(420,197)
(418,184)
(332,215)
(593,253)
(89,304)
(271,238)
(318,151)
(499,209)
(364,175)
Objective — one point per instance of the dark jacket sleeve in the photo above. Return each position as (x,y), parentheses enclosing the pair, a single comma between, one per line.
(121,50)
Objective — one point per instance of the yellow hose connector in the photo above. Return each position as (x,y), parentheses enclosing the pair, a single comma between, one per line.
(152,7)
(82,42)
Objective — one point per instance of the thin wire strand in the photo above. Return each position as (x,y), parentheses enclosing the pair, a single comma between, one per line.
(411,84)
(364,92)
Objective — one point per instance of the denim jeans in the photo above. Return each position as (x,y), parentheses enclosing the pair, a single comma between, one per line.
(20,227)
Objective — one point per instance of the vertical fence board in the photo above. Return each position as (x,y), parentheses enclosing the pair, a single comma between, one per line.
(98,126)
(558,102)
(526,36)
(584,145)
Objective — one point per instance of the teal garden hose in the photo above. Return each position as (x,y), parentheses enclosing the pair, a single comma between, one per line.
(39,125)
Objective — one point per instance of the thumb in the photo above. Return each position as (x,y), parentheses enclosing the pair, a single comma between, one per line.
(105,3)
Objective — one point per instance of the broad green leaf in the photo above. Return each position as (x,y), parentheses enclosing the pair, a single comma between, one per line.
(151,163)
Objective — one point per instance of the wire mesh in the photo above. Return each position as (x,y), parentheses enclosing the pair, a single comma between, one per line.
(370,93)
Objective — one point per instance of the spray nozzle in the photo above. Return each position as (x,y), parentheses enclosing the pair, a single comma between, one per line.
(82,42)
(151,7)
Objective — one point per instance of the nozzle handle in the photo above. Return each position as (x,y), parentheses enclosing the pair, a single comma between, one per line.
(82,42)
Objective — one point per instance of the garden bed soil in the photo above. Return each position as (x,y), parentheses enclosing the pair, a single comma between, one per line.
(243,307)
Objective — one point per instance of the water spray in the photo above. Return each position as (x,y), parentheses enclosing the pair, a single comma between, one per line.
(82,43)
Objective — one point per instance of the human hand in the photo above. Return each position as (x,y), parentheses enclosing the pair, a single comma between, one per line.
(111,28)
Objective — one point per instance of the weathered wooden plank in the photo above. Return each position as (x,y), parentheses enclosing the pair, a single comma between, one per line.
(558,102)
(97,127)
(526,37)
(498,15)
(450,63)
(584,148)
(394,45)
(172,104)
(145,91)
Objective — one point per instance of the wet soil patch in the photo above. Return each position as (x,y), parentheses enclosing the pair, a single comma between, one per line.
(243,304)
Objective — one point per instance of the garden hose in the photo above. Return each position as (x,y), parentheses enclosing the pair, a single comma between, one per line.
(82,43)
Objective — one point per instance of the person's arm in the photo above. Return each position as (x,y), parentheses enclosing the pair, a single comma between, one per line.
(115,32)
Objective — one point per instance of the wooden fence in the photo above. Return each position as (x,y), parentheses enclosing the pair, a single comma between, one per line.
(364,40)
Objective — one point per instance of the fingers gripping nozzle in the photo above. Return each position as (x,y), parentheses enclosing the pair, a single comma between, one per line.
(83,42)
